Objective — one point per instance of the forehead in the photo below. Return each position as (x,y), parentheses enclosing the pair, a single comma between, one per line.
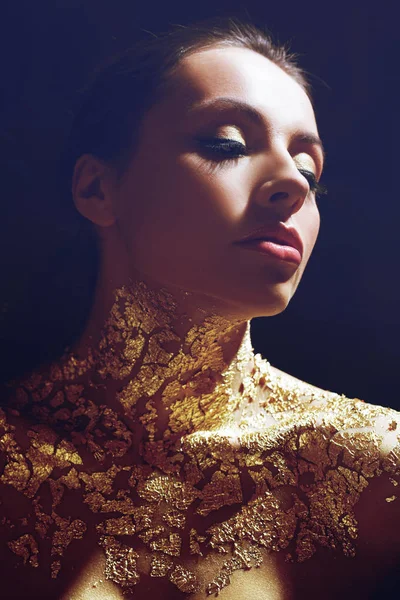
(246,75)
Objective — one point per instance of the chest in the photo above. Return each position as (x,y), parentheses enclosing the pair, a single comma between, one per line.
(273,517)
(86,567)
(325,576)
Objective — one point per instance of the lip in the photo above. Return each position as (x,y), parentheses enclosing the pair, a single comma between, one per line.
(287,236)
(277,234)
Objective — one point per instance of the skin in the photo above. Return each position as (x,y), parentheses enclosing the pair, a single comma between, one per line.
(171,220)
(173,217)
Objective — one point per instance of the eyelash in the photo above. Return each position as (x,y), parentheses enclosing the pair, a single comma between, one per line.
(233,150)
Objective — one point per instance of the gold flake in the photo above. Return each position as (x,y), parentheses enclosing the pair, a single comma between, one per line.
(172,455)
(184,579)
(391,498)
(27,548)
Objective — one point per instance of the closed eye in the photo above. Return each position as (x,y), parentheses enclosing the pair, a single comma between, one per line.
(315,186)
(224,150)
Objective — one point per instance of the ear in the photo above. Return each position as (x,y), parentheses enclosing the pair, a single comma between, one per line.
(92,190)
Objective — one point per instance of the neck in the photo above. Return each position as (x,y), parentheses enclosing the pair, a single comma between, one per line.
(153,377)
(176,373)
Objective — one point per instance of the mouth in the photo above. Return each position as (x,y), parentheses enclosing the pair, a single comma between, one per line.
(274,249)
(275,240)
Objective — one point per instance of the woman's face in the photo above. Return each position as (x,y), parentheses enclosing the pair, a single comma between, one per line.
(181,210)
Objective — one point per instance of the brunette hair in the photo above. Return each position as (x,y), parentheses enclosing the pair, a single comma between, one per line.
(122,90)
(106,124)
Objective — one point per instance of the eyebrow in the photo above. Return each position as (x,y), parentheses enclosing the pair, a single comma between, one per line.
(225,104)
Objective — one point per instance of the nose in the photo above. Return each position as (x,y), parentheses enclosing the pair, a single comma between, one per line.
(284,189)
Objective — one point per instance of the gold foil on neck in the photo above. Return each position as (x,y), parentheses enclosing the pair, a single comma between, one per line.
(174,453)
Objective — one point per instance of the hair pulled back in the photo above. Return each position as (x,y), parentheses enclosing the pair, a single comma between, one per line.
(106,123)
(122,90)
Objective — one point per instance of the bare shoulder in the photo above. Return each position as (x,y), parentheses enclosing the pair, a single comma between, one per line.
(292,381)
(356,414)
(363,444)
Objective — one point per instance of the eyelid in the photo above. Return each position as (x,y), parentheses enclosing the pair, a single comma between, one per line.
(315,186)
(307,171)
(306,160)
(234,118)
(220,141)
(215,139)
(224,122)
(215,143)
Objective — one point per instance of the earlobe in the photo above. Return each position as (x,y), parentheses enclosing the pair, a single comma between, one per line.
(92,191)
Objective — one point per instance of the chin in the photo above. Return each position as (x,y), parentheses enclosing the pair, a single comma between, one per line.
(260,304)
(269,310)
(272,301)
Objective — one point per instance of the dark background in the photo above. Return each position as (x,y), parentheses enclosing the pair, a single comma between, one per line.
(340,331)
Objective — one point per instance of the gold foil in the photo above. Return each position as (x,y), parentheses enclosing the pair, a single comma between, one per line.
(175,455)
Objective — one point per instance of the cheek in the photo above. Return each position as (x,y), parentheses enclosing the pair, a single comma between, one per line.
(313,224)
(151,203)
(309,223)
(178,199)
(163,219)
(317,222)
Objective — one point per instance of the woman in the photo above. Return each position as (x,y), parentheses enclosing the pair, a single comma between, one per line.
(159,455)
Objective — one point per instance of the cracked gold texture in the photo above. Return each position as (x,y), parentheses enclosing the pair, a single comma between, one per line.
(160,469)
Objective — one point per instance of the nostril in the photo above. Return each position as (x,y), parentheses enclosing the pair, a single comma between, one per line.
(279,196)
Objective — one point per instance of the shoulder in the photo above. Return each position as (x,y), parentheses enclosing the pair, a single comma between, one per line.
(352,414)
(291,381)
(363,445)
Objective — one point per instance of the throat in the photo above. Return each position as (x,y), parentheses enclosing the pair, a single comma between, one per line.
(163,372)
